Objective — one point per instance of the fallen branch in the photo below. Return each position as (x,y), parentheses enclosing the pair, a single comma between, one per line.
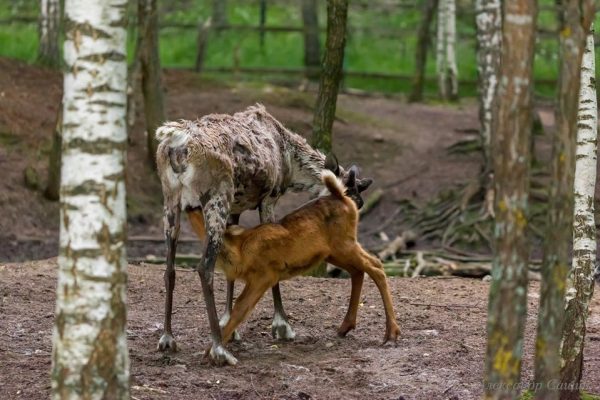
(372,201)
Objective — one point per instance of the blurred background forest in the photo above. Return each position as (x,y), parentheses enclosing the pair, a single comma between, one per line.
(379,55)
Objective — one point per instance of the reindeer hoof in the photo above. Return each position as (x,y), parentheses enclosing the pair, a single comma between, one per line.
(282,330)
(220,356)
(167,343)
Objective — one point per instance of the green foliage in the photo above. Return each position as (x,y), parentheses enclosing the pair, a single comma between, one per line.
(528,395)
(371,45)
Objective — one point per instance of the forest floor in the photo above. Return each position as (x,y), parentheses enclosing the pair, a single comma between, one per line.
(402,146)
(439,355)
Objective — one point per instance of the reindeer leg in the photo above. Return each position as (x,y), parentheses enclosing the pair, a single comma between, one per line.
(216,211)
(171,222)
(234,219)
(280,328)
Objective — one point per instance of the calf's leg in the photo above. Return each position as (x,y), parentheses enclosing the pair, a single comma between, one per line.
(349,322)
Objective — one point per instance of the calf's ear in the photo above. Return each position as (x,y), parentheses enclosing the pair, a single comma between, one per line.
(363,184)
(331,163)
(351,180)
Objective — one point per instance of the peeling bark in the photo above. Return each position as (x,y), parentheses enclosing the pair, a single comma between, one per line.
(446,51)
(507,309)
(49,30)
(89,357)
(580,283)
(488,16)
(555,264)
(337,13)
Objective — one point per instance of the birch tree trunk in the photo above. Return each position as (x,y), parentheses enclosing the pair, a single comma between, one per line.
(488,18)
(580,283)
(555,264)
(89,357)
(423,42)
(507,309)
(49,30)
(312,47)
(149,62)
(446,52)
(337,13)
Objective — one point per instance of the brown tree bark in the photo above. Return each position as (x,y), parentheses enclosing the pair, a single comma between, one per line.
(511,129)
(423,43)
(555,264)
(148,57)
(52,191)
(331,75)
(312,47)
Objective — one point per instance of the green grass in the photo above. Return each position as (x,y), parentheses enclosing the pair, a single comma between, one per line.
(364,51)
(528,395)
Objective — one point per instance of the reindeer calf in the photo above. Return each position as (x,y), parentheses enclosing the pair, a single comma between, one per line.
(322,230)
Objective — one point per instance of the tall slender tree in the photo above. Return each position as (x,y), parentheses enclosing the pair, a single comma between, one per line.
(511,124)
(580,283)
(488,18)
(423,42)
(149,64)
(312,47)
(331,75)
(219,14)
(49,31)
(52,191)
(446,50)
(555,264)
(89,357)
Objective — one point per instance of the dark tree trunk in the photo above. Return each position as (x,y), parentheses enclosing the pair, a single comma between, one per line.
(507,309)
(49,30)
(337,12)
(219,16)
(202,42)
(312,47)
(52,191)
(262,22)
(555,265)
(147,51)
(423,42)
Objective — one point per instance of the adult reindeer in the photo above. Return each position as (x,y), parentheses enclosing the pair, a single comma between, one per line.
(217,167)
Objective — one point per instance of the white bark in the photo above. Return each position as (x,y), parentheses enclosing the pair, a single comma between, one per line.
(446,51)
(90,345)
(49,25)
(580,283)
(488,17)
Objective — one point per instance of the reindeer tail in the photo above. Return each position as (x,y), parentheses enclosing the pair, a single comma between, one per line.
(333,184)
(175,132)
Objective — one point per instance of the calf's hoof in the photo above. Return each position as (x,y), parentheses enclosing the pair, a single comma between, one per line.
(282,330)
(236,337)
(391,334)
(219,356)
(167,343)
(345,328)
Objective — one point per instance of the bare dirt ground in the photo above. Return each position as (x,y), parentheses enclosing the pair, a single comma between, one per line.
(439,355)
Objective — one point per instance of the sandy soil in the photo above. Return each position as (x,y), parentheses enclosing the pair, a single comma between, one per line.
(439,355)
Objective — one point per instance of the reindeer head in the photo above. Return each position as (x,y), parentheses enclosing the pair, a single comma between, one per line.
(354,185)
